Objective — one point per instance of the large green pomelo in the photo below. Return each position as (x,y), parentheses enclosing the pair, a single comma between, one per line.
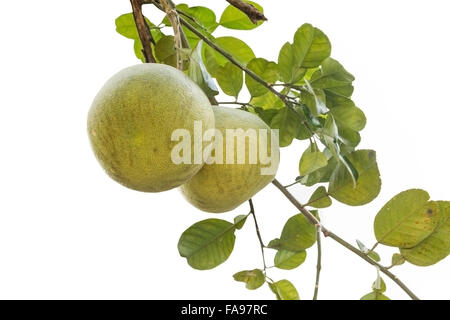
(131,121)
(223,187)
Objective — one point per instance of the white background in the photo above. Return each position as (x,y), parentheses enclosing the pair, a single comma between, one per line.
(68,231)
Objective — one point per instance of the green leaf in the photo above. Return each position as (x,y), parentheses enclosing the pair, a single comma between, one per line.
(406,219)
(204,17)
(284,290)
(321,175)
(266,115)
(435,247)
(330,138)
(314,100)
(165,51)
(233,18)
(368,185)
(335,101)
(288,260)
(267,70)
(252,278)
(287,122)
(375,295)
(298,234)
(207,244)
(230,79)
(138,50)
(239,221)
(379,285)
(350,117)
(288,66)
(397,259)
(201,18)
(267,101)
(238,48)
(333,78)
(126,26)
(349,137)
(320,198)
(197,72)
(312,160)
(311,46)
(374,256)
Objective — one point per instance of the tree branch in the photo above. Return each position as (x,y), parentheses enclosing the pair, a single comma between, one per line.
(252,13)
(341,241)
(311,218)
(144,31)
(319,263)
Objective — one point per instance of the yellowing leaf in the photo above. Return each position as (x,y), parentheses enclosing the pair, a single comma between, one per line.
(435,247)
(375,295)
(252,278)
(284,290)
(407,219)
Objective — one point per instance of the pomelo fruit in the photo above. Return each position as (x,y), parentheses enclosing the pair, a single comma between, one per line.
(223,187)
(132,119)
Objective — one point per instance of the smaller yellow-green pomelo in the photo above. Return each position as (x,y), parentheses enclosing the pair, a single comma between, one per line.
(131,121)
(223,187)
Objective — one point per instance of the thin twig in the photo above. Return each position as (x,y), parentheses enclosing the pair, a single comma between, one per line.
(319,262)
(258,233)
(143,30)
(317,199)
(292,184)
(252,13)
(328,233)
(174,19)
(373,248)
